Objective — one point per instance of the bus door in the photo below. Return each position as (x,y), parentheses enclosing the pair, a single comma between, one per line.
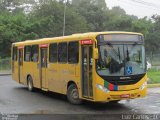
(20,64)
(36,66)
(43,62)
(15,67)
(87,85)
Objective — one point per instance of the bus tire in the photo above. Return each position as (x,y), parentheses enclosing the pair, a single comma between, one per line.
(73,95)
(30,83)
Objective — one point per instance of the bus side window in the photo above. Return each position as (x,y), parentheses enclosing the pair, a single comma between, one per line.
(53,53)
(34,55)
(14,54)
(62,52)
(27,53)
(73,52)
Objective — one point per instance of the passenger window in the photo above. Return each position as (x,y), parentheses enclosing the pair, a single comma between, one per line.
(27,53)
(62,52)
(14,55)
(34,56)
(73,52)
(53,53)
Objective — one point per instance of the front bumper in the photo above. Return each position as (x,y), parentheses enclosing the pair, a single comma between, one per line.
(102,96)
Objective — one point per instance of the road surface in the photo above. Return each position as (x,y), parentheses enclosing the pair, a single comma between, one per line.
(16,99)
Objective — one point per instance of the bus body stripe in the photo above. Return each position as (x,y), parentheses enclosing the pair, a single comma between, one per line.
(111,86)
(105,84)
(115,87)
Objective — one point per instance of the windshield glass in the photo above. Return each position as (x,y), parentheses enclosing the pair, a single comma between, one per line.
(121,60)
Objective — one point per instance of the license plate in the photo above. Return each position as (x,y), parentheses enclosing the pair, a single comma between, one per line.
(125,96)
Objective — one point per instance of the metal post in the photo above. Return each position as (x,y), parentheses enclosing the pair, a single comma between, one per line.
(64,18)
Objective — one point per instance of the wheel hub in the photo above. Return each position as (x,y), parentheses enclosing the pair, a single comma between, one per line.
(74,94)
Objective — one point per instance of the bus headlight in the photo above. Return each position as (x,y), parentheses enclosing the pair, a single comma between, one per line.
(143,86)
(100,87)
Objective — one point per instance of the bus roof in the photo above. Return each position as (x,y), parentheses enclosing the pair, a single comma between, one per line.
(73,37)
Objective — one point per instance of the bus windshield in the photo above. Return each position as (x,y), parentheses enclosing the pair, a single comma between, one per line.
(121,59)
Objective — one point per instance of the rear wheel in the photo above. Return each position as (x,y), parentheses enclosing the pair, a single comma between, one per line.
(73,95)
(30,83)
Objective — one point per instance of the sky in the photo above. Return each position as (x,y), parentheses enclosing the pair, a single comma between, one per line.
(140,8)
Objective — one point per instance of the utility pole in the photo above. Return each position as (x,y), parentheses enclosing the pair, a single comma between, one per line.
(64,17)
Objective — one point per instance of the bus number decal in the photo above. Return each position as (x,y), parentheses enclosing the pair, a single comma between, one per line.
(86,42)
(43,45)
(20,47)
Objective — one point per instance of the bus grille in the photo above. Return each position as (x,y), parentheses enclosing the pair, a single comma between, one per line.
(116,80)
(124,82)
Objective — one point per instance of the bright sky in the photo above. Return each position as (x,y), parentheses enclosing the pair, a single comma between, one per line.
(139,8)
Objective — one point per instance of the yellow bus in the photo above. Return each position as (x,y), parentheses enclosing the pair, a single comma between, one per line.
(97,66)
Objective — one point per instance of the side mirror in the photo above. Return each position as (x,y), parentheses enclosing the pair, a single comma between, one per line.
(95,53)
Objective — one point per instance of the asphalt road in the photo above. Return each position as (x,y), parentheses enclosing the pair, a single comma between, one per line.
(16,99)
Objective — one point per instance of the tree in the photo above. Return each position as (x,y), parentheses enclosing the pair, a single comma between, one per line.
(47,20)
(47,16)
(93,12)
(142,25)
(117,11)
(118,20)
(13,29)
(153,37)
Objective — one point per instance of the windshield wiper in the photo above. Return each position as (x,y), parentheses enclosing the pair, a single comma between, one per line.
(119,54)
(127,58)
(133,45)
(114,50)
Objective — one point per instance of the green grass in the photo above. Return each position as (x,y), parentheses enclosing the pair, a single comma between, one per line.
(153,85)
(154,76)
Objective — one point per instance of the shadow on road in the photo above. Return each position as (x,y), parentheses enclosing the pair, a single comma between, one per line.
(40,93)
(103,106)
(92,106)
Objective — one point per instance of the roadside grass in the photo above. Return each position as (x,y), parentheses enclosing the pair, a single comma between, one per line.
(154,76)
(153,85)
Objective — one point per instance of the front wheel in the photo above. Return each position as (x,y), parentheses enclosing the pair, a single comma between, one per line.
(30,83)
(73,95)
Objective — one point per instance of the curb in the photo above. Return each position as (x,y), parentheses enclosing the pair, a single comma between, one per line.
(5,74)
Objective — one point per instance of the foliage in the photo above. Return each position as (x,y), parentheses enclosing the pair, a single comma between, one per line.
(153,76)
(93,11)
(12,29)
(46,19)
(153,38)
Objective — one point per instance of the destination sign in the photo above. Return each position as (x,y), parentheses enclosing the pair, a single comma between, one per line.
(120,37)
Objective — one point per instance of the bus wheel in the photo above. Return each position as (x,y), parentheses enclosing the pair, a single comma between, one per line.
(30,83)
(73,95)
